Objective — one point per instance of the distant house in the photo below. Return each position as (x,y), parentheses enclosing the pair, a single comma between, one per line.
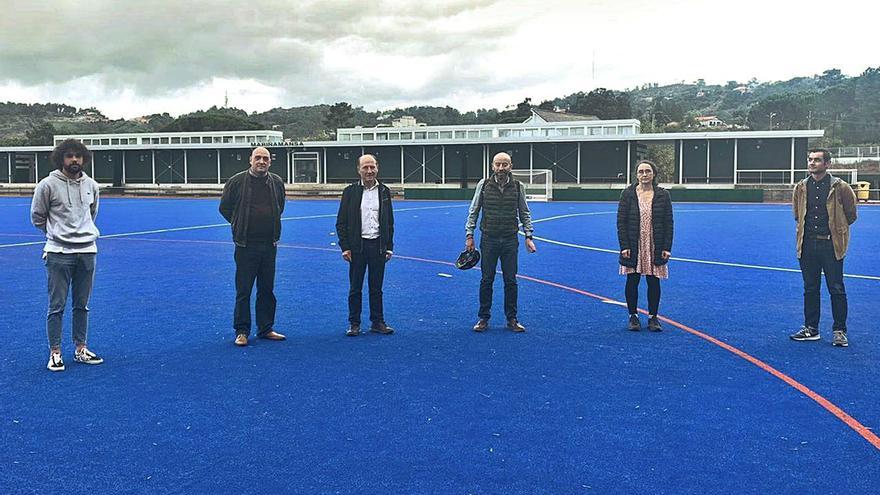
(742,89)
(546,116)
(405,121)
(711,121)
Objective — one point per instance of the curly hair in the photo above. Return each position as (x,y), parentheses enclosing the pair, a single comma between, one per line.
(70,146)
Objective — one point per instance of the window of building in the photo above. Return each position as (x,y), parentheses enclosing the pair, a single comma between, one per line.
(155,140)
(473,134)
(433,135)
(240,139)
(184,140)
(175,140)
(262,139)
(609,130)
(445,135)
(163,140)
(625,130)
(486,133)
(218,139)
(196,140)
(577,131)
(345,137)
(251,139)
(595,131)
(406,135)
(504,133)
(393,136)
(460,134)
(105,141)
(368,136)
(114,140)
(381,136)
(227,139)
(420,135)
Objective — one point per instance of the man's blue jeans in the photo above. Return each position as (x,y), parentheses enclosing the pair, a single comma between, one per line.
(69,273)
(492,248)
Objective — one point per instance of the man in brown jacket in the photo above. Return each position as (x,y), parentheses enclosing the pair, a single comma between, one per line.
(824,207)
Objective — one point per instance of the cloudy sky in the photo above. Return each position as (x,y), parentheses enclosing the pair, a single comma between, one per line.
(131,58)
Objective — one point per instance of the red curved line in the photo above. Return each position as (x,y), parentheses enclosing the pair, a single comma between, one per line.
(850,421)
(839,413)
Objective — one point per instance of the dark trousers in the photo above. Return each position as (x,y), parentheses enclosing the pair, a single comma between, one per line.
(254,262)
(818,256)
(506,249)
(371,261)
(632,293)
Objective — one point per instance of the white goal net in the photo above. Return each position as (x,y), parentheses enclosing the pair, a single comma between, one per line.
(538,183)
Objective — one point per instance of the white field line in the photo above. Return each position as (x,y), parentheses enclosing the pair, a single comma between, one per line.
(594,213)
(686,260)
(216,225)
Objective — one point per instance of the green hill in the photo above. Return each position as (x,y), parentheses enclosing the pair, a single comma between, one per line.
(848,108)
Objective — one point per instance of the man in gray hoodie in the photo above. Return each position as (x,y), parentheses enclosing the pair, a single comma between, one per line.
(64,207)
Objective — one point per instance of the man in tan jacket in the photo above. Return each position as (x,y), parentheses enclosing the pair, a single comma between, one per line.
(824,207)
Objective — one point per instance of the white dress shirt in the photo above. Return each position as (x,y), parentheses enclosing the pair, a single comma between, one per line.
(370,211)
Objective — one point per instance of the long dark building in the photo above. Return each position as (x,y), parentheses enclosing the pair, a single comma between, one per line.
(579,150)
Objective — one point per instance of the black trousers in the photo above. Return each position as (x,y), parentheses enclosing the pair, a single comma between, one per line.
(371,262)
(817,256)
(506,249)
(632,293)
(254,262)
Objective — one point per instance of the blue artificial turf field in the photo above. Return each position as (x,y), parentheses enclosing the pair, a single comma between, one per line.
(575,405)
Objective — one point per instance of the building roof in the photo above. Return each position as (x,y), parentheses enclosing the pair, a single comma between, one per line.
(551,116)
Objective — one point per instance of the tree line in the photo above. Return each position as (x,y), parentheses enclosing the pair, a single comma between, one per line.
(848,108)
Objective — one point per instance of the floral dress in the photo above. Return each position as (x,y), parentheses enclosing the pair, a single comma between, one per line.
(645,264)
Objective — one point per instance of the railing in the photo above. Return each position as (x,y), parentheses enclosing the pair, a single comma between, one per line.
(770,176)
(707,180)
(856,152)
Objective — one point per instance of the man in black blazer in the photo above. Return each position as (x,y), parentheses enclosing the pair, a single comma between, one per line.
(365,228)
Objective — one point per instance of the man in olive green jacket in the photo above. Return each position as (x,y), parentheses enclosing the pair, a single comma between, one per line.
(824,207)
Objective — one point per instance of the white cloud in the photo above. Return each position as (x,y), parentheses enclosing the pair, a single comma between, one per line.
(130,59)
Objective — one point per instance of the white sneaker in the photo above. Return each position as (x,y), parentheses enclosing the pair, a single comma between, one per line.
(86,356)
(55,362)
